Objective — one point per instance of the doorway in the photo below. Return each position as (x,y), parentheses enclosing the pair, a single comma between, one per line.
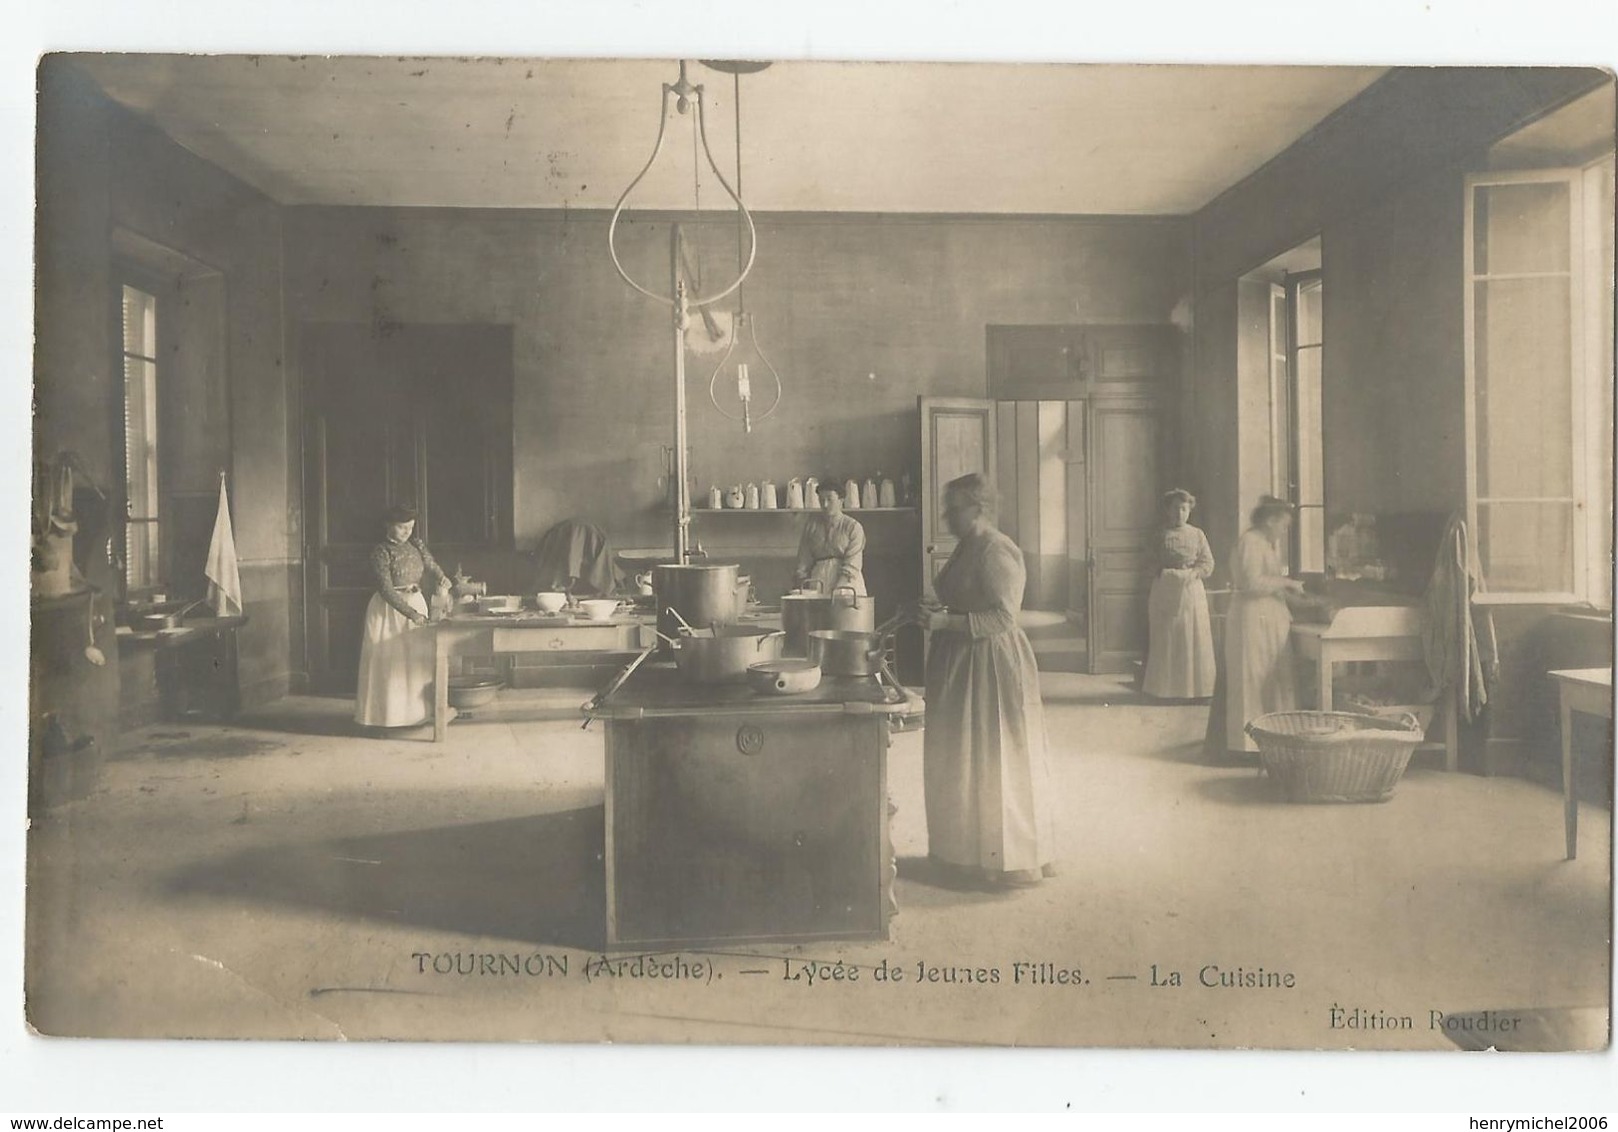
(1040,471)
(1079,482)
(403,413)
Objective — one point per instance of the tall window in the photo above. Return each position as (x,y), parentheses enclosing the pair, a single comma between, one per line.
(1300,448)
(141,565)
(1539,381)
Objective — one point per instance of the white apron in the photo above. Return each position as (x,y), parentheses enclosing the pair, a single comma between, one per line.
(396,666)
(1259,676)
(1180,660)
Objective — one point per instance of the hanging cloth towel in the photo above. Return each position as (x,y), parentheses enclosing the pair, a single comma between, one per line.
(224,578)
(1460,657)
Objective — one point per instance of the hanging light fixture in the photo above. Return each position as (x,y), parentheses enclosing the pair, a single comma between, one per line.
(744,357)
(685,95)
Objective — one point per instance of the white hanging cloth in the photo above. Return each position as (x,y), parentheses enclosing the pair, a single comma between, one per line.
(224,578)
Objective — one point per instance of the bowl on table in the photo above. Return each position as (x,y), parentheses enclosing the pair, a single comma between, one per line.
(500,603)
(550,601)
(599,608)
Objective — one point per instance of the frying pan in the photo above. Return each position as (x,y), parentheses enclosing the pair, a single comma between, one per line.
(151,622)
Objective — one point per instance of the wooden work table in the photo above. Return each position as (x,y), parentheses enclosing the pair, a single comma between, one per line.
(1587,690)
(1371,632)
(488,634)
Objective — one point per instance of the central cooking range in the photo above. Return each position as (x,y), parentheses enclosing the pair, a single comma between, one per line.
(746,791)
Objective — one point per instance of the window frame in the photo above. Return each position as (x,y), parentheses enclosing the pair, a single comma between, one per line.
(1292,284)
(1579,437)
(131,275)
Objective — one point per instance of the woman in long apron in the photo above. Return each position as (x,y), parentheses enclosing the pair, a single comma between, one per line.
(831,553)
(1259,675)
(986,772)
(1180,654)
(396,653)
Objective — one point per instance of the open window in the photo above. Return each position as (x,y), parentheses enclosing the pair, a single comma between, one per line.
(1280,355)
(143,565)
(1538,263)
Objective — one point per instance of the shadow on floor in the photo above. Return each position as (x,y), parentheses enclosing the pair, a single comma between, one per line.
(930,885)
(534,879)
(214,744)
(1094,694)
(312,716)
(1240,789)
(1195,752)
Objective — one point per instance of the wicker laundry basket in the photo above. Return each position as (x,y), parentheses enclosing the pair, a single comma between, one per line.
(1329,756)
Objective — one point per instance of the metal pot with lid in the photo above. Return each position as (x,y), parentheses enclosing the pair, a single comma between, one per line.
(700,596)
(806,611)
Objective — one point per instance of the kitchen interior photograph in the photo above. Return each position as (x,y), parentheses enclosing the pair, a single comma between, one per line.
(1129,547)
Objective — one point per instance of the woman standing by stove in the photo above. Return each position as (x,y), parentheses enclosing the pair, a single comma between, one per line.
(984,754)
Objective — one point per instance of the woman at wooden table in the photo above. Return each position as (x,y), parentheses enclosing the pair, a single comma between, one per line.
(1259,674)
(831,553)
(985,766)
(396,656)
(1180,653)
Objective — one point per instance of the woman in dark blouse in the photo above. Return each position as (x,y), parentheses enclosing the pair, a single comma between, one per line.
(396,657)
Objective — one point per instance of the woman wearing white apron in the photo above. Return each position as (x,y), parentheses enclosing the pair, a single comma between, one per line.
(831,553)
(396,650)
(1258,633)
(1180,656)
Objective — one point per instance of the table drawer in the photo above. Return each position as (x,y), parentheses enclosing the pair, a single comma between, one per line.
(567,638)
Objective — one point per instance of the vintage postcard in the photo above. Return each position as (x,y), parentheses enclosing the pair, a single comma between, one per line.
(826,553)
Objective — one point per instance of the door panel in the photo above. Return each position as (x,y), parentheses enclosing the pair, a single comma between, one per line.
(415,414)
(1078,522)
(1126,445)
(957,438)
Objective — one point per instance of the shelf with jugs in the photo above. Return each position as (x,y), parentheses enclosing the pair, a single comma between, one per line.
(875,493)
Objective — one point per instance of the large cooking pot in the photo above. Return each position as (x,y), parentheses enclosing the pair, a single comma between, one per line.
(724,657)
(702,595)
(846,652)
(805,611)
(802,612)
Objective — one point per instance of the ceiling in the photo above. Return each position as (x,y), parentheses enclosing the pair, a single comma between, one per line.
(863,137)
(1574,134)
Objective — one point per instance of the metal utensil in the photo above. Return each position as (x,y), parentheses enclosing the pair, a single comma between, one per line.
(684,624)
(91,653)
(886,672)
(617,682)
(897,621)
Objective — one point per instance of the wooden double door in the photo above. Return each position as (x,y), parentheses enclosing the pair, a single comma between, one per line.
(418,414)
(1116,461)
